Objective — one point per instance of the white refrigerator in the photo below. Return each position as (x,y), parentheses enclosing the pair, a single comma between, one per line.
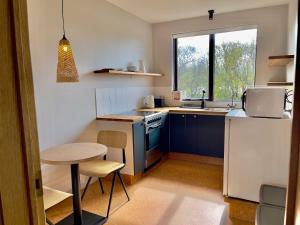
(257,152)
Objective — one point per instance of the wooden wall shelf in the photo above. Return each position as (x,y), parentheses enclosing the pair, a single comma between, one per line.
(280,83)
(280,60)
(117,72)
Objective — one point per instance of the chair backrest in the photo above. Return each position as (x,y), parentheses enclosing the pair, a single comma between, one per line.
(113,139)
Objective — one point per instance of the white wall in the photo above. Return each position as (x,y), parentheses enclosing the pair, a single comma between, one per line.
(292,37)
(271,40)
(116,100)
(292,26)
(101,35)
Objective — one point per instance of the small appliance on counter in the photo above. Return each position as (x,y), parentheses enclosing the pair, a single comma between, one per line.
(267,102)
(149,102)
(159,102)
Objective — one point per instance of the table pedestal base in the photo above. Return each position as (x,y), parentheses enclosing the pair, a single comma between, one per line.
(87,219)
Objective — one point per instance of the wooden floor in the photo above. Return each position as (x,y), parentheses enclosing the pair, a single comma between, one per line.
(166,193)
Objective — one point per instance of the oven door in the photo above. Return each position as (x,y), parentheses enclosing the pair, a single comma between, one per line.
(153,153)
(153,139)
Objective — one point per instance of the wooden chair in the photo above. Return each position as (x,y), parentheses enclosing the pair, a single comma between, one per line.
(102,168)
(53,197)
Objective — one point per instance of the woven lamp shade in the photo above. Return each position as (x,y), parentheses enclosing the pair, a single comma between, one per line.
(66,68)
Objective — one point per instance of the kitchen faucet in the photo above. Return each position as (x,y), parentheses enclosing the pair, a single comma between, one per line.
(232,105)
(203,100)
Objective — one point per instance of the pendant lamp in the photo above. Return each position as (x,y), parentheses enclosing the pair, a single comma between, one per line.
(66,68)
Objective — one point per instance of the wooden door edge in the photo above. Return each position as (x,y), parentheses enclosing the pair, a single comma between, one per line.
(1,212)
(294,157)
(27,112)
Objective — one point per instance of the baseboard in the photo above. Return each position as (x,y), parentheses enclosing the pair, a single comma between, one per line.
(196,158)
(132,179)
(129,179)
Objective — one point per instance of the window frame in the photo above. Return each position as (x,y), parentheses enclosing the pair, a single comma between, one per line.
(211,60)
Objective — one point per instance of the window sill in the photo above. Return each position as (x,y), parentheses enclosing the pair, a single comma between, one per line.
(212,104)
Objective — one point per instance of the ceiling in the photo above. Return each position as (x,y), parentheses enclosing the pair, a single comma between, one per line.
(155,11)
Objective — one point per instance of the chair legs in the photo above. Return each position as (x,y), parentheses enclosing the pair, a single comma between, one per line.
(116,173)
(101,185)
(123,185)
(112,189)
(111,193)
(86,187)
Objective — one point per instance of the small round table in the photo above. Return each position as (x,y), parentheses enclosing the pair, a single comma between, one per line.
(73,154)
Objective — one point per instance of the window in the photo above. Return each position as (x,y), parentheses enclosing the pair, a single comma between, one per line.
(222,64)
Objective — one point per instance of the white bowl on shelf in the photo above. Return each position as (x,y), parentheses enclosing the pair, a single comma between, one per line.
(131,68)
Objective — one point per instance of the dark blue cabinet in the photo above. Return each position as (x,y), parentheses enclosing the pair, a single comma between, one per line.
(211,135)
(178,134)
(165,135)
(192,134)
(138,147)
(197,134)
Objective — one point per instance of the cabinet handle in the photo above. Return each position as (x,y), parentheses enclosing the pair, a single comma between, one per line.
(182,116)
(195,116)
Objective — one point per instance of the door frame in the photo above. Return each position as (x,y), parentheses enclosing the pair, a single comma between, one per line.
(18,80)
(293,196)
(30,148)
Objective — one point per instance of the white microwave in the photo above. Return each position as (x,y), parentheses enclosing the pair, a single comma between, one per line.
(264,102)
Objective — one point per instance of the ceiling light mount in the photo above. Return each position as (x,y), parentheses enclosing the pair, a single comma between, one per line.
(211,14)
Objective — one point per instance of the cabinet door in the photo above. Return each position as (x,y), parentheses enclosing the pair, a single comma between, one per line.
(192,134)
(138,130)
(165,135)
(177,133)
(211,136)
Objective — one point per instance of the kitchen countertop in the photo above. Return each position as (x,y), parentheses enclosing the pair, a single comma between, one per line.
(121,118)
(173,110)
(207,111)
(239,113)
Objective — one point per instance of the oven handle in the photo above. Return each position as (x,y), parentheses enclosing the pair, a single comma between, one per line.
(157,125)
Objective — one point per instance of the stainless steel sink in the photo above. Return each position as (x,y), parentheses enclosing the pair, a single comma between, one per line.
(218,109)
(190,107)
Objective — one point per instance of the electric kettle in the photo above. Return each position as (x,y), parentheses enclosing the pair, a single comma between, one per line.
(149,102)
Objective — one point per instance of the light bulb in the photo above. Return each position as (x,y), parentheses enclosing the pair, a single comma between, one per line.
(65,48)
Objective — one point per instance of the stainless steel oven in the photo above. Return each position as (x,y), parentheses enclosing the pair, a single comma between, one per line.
(153,121)
(153,127)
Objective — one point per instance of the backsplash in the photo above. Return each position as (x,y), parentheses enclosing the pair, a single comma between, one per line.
(166,92)
(118,100)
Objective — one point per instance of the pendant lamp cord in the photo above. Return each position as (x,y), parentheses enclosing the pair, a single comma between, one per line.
(63,18)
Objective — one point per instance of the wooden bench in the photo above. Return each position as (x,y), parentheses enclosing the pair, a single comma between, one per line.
(52,197)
